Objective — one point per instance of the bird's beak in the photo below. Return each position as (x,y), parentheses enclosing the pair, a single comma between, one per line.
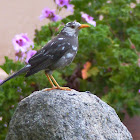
(83,26)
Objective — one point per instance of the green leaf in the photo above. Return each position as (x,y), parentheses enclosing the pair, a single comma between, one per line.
(93,71)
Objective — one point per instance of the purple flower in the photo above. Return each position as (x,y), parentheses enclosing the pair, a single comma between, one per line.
(0,118)
(62,3)
(1,81)
(20,56)
(30,53)
(89,19)
(5,125)
(47,13)
(139,62)
(70,7)
(19,89)
(139,91)
(21,42)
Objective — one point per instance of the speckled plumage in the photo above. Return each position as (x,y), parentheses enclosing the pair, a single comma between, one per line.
(57,53)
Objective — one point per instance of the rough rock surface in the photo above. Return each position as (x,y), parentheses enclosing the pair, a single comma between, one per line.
(65,115)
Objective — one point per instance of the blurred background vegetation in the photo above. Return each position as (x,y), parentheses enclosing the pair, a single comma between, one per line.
(107,63)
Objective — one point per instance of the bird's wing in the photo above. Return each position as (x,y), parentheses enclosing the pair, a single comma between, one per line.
(50,53)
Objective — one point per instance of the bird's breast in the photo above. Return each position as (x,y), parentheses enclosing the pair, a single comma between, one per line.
(66,59)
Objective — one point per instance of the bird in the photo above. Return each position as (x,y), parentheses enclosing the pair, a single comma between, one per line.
(56,54)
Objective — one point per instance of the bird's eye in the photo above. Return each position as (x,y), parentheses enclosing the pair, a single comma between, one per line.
(72,26)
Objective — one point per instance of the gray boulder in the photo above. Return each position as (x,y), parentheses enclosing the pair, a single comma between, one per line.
(65,115)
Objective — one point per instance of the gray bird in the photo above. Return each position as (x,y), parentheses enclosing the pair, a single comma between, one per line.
(57,53)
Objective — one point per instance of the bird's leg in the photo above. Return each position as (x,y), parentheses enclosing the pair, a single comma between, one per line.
(57,85)
(53,86)
(50,80)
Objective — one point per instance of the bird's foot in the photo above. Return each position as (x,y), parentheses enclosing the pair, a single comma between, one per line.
(64,88)
(61,88)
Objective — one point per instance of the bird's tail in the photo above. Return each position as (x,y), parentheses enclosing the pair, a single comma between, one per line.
(24,69)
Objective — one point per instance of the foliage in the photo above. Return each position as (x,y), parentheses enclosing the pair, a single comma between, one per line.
(111,48)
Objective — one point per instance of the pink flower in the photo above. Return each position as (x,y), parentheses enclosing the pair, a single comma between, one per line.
(21,42)
(30,53)
(1,81)
(64,3)
(133,46)
(88,19)
(70,7)
(47,13)
(139,62)
(20,56)
(0,118)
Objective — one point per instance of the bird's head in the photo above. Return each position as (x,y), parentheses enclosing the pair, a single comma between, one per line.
(72,28)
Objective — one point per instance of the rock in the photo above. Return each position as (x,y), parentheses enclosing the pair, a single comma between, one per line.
(65,115)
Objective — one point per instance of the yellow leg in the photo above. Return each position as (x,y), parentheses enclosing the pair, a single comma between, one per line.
(50,80)
(57,85)
(53,86)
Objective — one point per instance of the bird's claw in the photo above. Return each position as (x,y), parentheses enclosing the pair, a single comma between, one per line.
(61,88)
